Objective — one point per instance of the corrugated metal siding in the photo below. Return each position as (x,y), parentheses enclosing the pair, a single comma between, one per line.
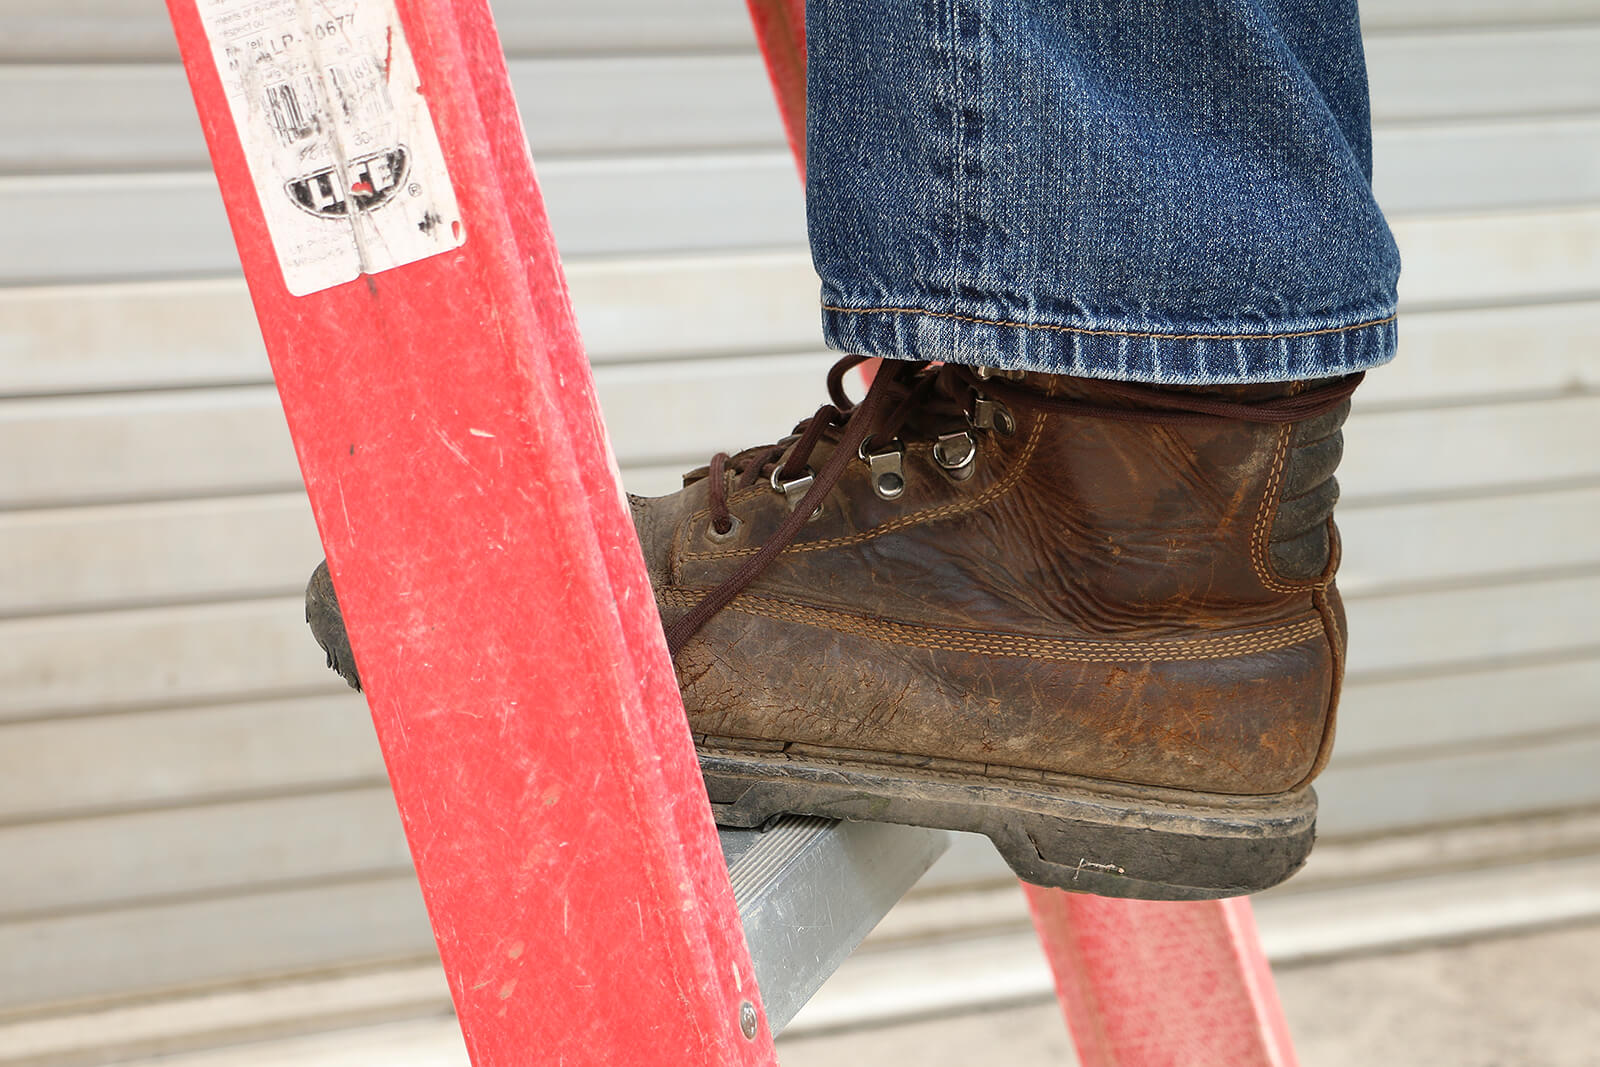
(187,797)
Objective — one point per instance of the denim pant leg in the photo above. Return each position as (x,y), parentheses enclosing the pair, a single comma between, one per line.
(1171,191)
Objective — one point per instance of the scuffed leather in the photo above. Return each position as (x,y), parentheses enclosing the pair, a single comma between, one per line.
(1101,599)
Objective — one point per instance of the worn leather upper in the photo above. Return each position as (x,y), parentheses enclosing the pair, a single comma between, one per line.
(1127,601)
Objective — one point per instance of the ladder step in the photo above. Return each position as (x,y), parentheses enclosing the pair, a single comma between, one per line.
(810,889)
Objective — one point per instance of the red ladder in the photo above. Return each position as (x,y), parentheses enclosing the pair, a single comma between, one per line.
(413,306)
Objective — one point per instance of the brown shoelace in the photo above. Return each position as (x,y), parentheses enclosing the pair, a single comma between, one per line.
(906,394)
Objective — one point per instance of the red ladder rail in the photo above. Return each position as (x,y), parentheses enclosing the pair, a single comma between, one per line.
(1151,984)
(445,422)
(781,29)
(1142,984)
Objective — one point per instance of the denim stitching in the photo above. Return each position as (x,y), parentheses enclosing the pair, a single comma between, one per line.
(1086,331)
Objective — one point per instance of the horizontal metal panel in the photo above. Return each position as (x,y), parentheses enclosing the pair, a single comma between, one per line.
(1414,544)
(1499,259)
(203,332)
(1423,15)
(58,30)
(263,934)
(139,116)
(225,441)
(146,554)
(198,941)
(1394,723)
(87,863)
(77,865)
(64,118)
(1466,355)
(1508,780)
(111,30)
(106,227)
(90,338)
(132,446)
(1393,453)
(127,446)
(106,557)
(1442,630)
(1508,71)
(127,226)
(1486,165)
(198,756)
(181,756)
(257,649)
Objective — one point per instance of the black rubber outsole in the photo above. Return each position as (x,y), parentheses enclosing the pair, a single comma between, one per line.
(1088,837)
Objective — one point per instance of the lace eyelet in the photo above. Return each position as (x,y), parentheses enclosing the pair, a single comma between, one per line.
(989,414)
(795,489)
(724,536)
(887,466)
(956,454)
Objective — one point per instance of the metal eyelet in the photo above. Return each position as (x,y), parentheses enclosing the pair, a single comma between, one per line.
(989,414)
(795,489)
(734,525)
(957,454)
(887,466)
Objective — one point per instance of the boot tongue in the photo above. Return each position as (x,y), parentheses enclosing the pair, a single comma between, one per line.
(1120,394)
(1267,402)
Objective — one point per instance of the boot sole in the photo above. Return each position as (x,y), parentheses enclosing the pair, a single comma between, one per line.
(1082,835)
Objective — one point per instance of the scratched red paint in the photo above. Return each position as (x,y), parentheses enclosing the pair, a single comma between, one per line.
(498,605)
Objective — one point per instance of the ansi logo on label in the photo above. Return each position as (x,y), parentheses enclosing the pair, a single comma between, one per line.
(343,152)
(372,181)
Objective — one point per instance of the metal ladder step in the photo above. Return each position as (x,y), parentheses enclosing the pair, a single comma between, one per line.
(810,889)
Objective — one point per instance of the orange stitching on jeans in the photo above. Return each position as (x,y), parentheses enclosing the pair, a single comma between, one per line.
(1084,330)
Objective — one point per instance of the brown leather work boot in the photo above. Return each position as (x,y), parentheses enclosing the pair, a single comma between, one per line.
(1094,621)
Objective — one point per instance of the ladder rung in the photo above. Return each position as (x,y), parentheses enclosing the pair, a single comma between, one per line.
(810,889)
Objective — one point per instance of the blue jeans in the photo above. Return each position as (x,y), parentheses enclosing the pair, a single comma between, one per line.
(1169,191)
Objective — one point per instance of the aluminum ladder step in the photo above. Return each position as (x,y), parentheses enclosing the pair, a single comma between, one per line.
(810,889)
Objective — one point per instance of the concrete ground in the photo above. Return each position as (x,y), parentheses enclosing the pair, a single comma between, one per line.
(1531,1000)
(1525,1001)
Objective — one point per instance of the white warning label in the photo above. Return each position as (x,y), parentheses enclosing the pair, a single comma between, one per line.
(341,147)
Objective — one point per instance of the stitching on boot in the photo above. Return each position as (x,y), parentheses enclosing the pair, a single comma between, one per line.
(1297,544)
(1259,531)
(1330,630)
(1260,562)
(1020,646)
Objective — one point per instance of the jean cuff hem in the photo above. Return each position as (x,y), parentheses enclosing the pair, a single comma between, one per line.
(1176,357)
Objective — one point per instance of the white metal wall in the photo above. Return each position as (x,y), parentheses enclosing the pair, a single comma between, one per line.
(187,796)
